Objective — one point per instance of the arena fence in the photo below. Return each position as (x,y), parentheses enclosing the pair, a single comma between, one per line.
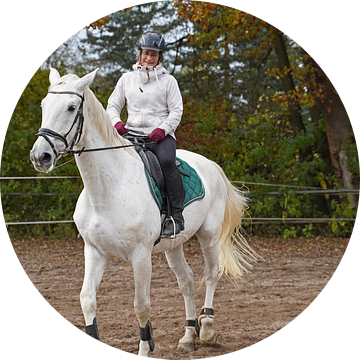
(303,191)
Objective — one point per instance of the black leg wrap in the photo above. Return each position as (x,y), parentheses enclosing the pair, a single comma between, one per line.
(204,313)
(194,324)
(92,330)
(207,311)
(146,334)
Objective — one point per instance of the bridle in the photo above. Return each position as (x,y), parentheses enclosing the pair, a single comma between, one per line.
(79,120)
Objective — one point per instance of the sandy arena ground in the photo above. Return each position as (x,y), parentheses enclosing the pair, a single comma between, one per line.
(278,289)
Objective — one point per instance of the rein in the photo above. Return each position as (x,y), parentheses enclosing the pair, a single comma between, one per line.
(79,119)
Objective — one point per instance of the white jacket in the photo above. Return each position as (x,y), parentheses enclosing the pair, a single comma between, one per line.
(152,97)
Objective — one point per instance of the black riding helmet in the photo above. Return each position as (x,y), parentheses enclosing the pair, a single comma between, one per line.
(151,41)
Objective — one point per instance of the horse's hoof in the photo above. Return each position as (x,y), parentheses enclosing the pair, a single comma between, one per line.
(187,346)
(144,348)
(211,340)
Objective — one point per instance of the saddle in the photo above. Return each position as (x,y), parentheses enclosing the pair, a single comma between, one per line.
(154,170)
(151,163)
(194,189)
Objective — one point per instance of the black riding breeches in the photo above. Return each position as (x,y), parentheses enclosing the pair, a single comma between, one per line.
(165,151)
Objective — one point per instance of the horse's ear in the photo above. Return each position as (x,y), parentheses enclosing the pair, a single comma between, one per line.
(86,80)
(54,76)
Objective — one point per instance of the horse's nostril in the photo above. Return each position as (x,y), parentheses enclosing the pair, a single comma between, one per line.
(45,158)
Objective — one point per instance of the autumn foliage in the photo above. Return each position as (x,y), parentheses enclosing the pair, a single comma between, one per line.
(103,21)
(304,86)
(254,101)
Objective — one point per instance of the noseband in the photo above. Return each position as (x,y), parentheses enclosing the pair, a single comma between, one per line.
(79,120)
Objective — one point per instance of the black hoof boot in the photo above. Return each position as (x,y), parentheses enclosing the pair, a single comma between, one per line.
(146,334)
(92,330)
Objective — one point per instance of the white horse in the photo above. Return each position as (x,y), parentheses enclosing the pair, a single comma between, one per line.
(117,215)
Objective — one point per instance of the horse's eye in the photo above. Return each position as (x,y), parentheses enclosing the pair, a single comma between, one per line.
(71,108)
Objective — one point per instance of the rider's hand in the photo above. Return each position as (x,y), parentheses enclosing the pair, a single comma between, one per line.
(120,127)
(157,135)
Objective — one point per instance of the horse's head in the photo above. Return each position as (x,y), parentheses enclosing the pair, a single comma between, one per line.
(62,118)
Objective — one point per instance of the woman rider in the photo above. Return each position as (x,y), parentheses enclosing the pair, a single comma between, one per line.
(154,107)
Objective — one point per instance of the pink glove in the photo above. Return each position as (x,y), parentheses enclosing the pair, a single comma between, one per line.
(119,126)
(157,135)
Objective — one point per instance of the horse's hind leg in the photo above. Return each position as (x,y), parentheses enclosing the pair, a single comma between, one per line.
(210,248)
(95,265)
(184,275)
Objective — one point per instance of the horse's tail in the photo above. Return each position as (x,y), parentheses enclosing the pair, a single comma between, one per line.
(235,256)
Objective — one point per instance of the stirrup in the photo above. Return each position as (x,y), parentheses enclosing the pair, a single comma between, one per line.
(167,220)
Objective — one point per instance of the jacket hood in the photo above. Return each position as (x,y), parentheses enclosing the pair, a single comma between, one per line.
(147,74)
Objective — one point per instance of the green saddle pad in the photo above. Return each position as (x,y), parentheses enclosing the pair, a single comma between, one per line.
(194,189)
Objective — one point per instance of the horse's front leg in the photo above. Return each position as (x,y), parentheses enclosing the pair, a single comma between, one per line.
(95,264)
(141,264)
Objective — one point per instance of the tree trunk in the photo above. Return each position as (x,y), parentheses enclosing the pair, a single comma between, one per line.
(338,129)
(288,83)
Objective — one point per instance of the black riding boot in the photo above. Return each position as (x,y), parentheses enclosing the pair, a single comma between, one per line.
(176,194)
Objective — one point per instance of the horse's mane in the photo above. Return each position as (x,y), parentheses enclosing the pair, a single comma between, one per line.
(101,117)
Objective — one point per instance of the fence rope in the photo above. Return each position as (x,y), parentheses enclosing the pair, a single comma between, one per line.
(38,177)
(311,190)
(246,220)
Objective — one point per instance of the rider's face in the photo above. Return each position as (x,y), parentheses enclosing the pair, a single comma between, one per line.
(149,57)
